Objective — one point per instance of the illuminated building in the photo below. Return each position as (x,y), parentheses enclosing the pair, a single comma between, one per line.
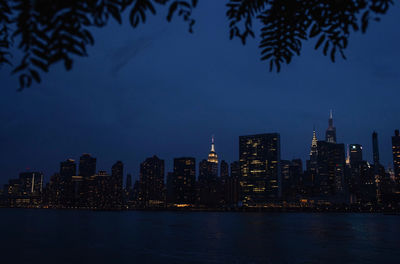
(259,157)
(312,163)
(330,171)
(31,183)
(183,181)
(209,184)
(330,135)
(101,188)
(329,178)
(26,190)
(152,182)
(396,155)
(355,166)
(355,153)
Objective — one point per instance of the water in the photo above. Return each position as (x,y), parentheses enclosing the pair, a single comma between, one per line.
(62,236)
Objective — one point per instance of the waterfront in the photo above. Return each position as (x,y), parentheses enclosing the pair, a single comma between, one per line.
(68,236)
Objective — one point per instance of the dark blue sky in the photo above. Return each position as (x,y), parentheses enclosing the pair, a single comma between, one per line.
(160,90)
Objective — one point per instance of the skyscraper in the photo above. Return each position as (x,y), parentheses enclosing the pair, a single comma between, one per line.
(68,168)
(379,172)
(224,169)
(259,157)
(330,135)
(213,159)
(375,148)
(208,182)
(116,181)
(31,183)
(87,165)
(128,185)
(396,155)
(312,163)
(68,189)
(183,181)
(355,153)
(152,182)
(331,166)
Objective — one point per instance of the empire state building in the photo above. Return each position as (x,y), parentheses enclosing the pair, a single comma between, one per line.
(212,156)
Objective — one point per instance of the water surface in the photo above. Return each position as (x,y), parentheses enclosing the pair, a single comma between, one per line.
(63,236)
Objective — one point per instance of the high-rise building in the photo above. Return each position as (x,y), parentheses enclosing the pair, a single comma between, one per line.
(183,181)
(87,165)
(224,182)
(285,177)
(26,190)
(312,163)
(68,168)
(224,169)
(292,172)
(31,183)
(375,148)
(209,185)
(330,135)
(354,167)
(355,153)
(116,181)
(396,155)
(68,189)
(128,184)
(331,165)
(235,169)
(379,171)
(212,156)
(152,182)
(260,170)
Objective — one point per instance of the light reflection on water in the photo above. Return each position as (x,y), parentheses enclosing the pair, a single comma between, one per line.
(51,236)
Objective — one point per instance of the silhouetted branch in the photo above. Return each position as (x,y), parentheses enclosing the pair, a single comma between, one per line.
(49,31)
(287,23)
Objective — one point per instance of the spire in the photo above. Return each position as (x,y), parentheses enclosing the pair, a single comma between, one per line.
(314,141)
(330,135)
(212,156)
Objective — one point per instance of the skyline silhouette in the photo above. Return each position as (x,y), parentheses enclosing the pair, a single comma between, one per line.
(157,103)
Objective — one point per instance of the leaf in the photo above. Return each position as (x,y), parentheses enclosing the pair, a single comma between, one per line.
(172,10)
(320,41)
(35,75)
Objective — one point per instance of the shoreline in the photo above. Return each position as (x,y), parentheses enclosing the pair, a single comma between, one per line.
(231,210)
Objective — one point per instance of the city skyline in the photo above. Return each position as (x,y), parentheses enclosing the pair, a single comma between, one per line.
(329,136)
(334,178)
(135,96)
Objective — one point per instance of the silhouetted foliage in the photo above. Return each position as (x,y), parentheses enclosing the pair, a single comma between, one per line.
(287,23)
(50,31)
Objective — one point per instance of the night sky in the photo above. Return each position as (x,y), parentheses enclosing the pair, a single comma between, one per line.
(161,90)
